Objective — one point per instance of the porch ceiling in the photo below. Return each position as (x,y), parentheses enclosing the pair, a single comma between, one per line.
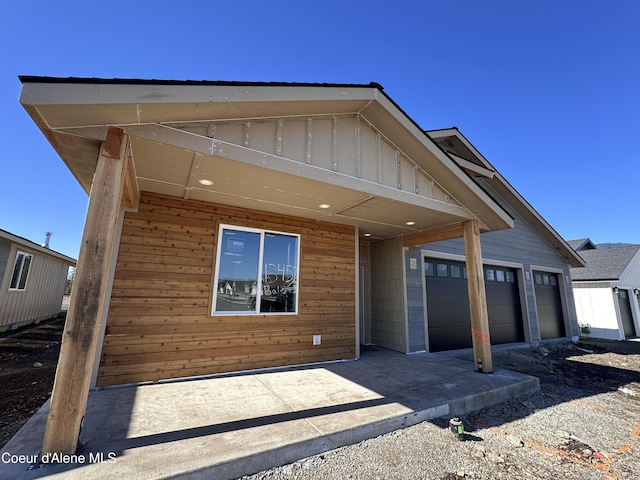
(171,151)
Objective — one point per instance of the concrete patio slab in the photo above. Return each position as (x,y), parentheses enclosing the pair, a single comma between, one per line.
(224,427)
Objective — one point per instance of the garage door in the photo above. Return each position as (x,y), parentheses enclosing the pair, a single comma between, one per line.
(625,314)
(449,320)
(549,305)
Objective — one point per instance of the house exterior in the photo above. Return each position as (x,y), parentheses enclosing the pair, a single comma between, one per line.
(607,290)
(236,226)
(527,272)
(32,281)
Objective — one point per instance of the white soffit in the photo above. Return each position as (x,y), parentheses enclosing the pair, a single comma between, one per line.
(170,160)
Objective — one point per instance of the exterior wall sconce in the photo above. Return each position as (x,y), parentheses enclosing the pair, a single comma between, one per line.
(615,290)
(637,292)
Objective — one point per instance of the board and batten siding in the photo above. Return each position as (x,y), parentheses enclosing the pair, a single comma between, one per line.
(630,277)
(519,245)
(42,297)
(5,249)
(159,324)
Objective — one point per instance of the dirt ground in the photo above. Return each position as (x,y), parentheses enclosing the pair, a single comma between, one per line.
(583,424)
(28,358)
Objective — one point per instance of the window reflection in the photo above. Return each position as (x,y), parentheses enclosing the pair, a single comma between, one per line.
(256,271)
(238,271)
(279,273)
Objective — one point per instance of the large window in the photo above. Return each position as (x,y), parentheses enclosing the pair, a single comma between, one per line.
(256,272)
(20,271)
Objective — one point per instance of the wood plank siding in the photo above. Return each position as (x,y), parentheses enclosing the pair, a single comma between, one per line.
(159,324)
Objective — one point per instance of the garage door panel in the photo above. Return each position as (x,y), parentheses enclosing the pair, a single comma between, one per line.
(451,338)
(548,305)
(504,334)
(445,316)
(448,317)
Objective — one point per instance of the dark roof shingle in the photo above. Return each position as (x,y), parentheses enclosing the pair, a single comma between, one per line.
(605,263)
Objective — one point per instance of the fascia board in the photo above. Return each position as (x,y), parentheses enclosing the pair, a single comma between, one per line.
(34,93)
(47,94)
(466,164)
(516,200)
(452,171)
(454,132)
(34,246)
(524,208)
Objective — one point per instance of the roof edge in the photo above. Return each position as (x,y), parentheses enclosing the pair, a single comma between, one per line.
(138,81)
(578,261)
(31,244)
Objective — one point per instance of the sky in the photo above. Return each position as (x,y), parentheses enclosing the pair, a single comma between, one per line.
(547,91)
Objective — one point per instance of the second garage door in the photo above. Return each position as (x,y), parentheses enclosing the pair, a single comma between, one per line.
(549,305)
(449,321)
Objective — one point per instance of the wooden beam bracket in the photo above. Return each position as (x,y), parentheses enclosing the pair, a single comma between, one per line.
(447,232)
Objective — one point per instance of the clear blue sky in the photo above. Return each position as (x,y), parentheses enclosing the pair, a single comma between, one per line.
(546,90)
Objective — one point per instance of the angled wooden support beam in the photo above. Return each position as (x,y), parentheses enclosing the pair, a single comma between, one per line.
(131,192)
(447,232)
(73,375)
(477,298)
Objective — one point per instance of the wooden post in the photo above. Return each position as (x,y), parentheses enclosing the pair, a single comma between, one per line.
(477,298)
(73,375)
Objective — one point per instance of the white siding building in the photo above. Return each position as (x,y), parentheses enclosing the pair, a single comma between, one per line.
(607,290)
(32,281)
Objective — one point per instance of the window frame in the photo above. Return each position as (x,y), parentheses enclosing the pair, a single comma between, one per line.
(20,286)
(260,278)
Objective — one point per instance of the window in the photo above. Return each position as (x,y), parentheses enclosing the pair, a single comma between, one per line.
(20,271)
(456,271)
(509,277)
(256,272)
(442,270)
(428,269)
(500,275)
(490,274)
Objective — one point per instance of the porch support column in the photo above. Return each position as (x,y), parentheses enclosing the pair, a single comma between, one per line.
(477,298)
(73,375)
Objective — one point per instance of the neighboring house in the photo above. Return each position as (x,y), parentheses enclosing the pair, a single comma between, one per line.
(527,272)
(32,281)
(607,290)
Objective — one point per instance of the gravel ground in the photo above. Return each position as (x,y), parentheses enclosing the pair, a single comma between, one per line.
(584,424)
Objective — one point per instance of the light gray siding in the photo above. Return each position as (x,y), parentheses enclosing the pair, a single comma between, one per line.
(415,300)
(388,326)
(631,275)
(42,297)
(5,248)
(347,144)
(523,248)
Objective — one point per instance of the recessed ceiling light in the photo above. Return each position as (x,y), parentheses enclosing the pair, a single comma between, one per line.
(204,181)
(324,205)
(411,223)
(367,234)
